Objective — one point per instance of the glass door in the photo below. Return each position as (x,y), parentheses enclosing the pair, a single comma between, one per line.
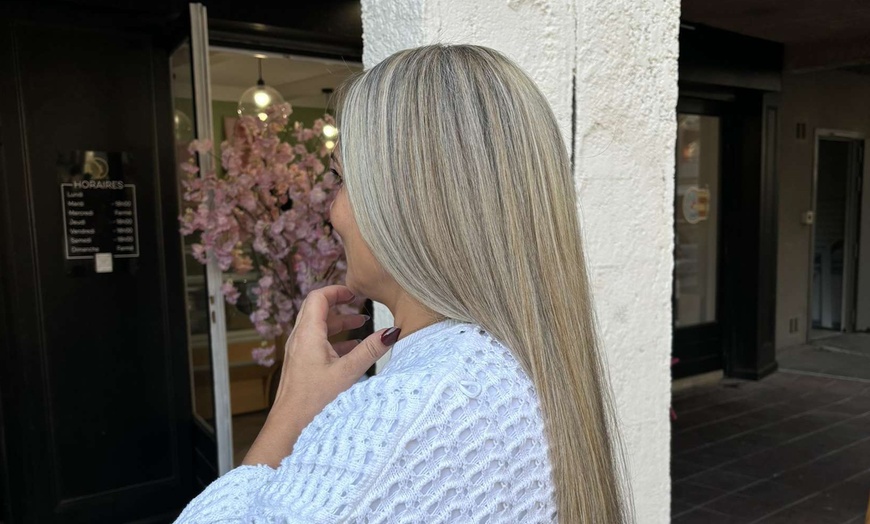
(206,316)
(196,292)
(217,315)
(306,84)
(697,340)
(232,391)
(696,220)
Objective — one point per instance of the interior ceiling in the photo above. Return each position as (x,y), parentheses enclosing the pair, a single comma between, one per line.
(300,80)
(785,21)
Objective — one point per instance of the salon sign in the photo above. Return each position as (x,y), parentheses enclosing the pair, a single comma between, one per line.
(696,204)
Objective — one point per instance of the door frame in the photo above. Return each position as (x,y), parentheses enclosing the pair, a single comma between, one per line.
(852,233)
(223,419)
(748,227)
(710,331)
(225,35)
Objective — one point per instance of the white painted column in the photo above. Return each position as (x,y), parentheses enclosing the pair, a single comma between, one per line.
(624,53)
(537,34)
(624,157)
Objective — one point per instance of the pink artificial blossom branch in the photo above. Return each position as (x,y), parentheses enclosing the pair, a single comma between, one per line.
(238,216)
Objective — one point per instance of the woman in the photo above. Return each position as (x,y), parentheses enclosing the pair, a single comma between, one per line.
(457,212)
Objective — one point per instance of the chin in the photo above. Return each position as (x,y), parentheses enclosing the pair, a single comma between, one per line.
(350,283)
(359,290)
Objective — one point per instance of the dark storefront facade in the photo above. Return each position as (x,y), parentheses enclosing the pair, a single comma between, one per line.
(772,220)
(725,212)
(98,421)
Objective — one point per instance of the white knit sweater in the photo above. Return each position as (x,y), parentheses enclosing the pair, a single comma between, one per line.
(451,431)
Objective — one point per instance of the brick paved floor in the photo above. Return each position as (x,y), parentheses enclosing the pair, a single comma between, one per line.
(791,448)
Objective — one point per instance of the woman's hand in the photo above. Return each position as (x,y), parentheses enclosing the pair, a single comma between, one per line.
(315,371)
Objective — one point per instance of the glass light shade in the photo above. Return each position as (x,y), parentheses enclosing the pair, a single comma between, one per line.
(183,127)
(256,99)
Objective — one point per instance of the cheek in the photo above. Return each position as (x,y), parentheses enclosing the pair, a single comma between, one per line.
(363,271)
(342,221)
(338,213)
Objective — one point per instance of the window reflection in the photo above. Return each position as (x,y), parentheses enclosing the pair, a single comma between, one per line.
(696,220)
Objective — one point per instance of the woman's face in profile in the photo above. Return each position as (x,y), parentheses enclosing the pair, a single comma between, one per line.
(365,277)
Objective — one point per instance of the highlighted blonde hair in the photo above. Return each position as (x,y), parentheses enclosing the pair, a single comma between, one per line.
(460,183)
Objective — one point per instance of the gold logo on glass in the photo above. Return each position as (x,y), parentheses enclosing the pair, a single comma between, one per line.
(95,166)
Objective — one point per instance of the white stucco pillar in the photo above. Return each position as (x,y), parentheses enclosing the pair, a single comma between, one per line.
(625,135)
(609,70)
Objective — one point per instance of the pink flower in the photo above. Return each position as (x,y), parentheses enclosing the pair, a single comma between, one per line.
(242,218)
(243,264)
(199,146)
(189,167)
(317,195)
(265,356)
(199,253)
(231,294)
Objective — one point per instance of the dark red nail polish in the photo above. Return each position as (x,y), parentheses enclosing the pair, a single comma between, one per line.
(390,336)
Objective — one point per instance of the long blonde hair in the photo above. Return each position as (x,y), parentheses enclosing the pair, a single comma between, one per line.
(461,185)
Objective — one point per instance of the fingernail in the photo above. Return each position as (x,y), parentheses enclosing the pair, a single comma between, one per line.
(390,336)
(367,317)
(358,340)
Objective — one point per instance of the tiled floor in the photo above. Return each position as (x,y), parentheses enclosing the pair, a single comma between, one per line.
(791,448)
(836,354)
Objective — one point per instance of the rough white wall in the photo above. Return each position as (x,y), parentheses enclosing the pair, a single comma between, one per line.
(537,34)
(624,161)
(624,53)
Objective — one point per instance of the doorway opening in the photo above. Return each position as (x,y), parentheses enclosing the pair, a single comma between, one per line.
(839,163)
(834,345)
(232,390)
(306,84)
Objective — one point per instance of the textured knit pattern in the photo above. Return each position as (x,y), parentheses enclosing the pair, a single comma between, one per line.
(451,431)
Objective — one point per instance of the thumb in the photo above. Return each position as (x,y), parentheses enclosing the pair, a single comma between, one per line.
(369,351)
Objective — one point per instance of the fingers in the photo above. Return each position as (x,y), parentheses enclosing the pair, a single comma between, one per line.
(326,297)
(315,308)
(337,323)
(344,347)
(375,346)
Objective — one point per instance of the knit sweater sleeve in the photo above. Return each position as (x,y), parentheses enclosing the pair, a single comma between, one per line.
(228,498)
(336,459)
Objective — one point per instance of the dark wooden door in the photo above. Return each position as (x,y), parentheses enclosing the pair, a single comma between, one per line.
(734,273)
(93,366)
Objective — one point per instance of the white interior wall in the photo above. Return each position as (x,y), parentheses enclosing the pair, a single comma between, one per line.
(624,54)
(837,100)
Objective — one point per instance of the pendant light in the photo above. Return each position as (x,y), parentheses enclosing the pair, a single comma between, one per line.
(256,99)
(183,127)
(330,132)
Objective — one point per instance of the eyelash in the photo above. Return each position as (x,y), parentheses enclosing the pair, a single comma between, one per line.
(337,176)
